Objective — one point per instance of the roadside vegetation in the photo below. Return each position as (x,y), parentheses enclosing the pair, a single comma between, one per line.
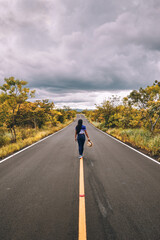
(23,122)
(134,120)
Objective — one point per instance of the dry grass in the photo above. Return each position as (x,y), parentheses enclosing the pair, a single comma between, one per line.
(28,137)
(140,138)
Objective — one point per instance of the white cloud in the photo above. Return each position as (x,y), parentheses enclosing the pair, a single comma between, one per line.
(82,99)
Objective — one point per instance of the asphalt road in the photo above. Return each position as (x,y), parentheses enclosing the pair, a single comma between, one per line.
(39,191)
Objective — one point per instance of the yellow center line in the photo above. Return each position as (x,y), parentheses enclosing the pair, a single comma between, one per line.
(82,235)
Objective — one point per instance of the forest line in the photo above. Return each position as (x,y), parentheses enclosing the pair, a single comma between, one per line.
(134,120)
(23,122)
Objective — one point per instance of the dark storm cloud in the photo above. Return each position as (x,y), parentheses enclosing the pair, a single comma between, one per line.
(69,46)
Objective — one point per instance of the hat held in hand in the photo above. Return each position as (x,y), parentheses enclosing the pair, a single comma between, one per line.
(89,143)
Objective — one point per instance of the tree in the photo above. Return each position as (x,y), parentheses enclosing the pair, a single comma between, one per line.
(105,111)
(14,94)
(42,112)
(148,101)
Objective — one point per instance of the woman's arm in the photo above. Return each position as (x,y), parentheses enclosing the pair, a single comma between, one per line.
(75,135)
(87,134)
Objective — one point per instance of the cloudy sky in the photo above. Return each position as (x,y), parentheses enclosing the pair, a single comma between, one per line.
(76,52)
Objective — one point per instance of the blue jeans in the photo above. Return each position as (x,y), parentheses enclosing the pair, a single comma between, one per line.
(81,140)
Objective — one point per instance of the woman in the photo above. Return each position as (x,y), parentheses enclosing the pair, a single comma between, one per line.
(80,132)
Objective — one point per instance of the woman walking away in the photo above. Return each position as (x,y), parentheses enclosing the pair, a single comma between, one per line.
(80,132)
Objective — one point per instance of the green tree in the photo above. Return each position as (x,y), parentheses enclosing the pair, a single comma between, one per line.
(43,111)
(35,114)
(148,101)
(14,94)
(105,111)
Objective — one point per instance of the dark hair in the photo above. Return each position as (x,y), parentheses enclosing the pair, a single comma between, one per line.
(79,126)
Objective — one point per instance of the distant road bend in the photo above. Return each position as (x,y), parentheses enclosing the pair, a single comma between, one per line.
(39,191)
